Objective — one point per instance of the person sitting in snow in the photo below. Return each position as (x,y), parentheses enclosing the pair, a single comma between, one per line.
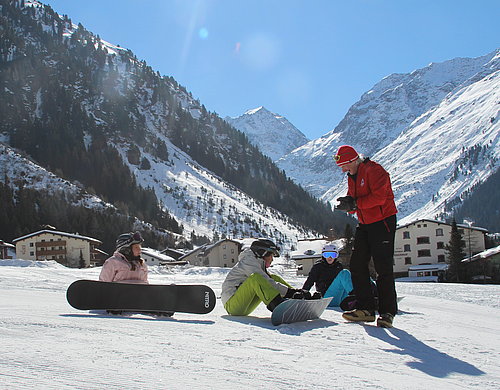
(126,264)
(249,283)
(329,276)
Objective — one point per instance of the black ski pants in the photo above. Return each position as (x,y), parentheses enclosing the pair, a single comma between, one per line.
(375,240)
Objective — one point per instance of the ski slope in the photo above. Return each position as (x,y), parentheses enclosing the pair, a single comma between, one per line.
(445,338)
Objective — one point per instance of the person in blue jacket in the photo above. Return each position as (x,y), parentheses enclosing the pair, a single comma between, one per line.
(329,276)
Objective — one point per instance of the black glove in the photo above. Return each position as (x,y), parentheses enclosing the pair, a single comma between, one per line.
(290,292)
(316,295)
(298,293)
(346,203)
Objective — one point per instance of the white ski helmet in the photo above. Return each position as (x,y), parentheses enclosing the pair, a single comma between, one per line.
(330,251)
(330,248)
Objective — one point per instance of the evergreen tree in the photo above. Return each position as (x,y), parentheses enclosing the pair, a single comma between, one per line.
(455,251)
(82,260)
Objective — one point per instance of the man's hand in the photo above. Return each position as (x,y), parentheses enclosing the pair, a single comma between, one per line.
(346,203)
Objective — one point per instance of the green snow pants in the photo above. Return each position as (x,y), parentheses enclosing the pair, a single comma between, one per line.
(254,290)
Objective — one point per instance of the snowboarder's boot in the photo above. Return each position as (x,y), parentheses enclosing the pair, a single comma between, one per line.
(359,315)
(385,320)
(275,302)
(158,313)
(115,312)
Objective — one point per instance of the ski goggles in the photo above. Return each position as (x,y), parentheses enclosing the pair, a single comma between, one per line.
(273,251)
(333,255)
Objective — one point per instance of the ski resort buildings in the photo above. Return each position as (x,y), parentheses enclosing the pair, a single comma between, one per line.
(423,243)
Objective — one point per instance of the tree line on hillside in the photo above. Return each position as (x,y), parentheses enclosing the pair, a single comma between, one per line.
(27,211)
(482,204)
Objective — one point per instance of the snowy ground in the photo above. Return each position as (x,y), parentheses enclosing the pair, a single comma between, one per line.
(447,337)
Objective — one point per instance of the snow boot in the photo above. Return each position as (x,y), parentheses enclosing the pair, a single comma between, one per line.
(385,320)
(275,302)
(115,312)
(359,315)
(158,313)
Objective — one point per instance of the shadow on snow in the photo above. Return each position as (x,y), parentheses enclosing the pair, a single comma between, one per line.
(431,361)
(141,317)
(295,329)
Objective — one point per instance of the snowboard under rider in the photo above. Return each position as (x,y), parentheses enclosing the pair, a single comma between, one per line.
(329,276)
(249,283)
(126,264)
(371,198)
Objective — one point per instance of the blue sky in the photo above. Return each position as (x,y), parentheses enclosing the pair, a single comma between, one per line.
(306,60)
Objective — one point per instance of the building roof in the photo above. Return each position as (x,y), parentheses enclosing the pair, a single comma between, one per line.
(460,225)
(483,255)
(418,279)
(6,244)
(179,252)
(77,236)
(421,267)
(156,254)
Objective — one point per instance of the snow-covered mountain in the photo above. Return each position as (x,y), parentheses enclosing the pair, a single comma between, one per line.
(273,134)
(89,101)
(435,130)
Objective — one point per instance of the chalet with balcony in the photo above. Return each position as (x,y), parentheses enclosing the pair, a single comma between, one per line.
(70,250)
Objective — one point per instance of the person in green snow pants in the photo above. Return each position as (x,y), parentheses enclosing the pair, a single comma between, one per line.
(248,283)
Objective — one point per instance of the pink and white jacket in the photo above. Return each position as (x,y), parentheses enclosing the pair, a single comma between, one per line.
(118,269)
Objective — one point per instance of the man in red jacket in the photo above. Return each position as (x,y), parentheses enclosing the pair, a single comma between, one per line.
(370,197)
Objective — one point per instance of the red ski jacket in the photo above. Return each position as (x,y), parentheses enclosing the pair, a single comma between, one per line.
(371,187)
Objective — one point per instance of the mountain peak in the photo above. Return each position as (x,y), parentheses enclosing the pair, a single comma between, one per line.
(260,110)
(272,133)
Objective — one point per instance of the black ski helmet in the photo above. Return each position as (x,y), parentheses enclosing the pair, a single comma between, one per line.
(126,240)
(263,246)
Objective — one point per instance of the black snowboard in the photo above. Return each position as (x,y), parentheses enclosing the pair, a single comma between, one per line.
(95,295)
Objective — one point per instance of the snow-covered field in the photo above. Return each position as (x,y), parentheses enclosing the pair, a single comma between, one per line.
(447,337)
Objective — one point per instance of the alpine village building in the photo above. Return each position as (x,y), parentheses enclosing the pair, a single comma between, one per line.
(419,248)
(70,250)
(223,253)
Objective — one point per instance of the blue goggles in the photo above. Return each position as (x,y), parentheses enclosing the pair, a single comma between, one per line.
(333,255)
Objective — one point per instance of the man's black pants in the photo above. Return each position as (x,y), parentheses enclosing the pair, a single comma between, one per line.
(375,240)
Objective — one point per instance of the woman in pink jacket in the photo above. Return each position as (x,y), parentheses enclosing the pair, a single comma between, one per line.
(126,265)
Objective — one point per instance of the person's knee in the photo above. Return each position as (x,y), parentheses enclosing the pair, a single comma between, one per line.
(384,267)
